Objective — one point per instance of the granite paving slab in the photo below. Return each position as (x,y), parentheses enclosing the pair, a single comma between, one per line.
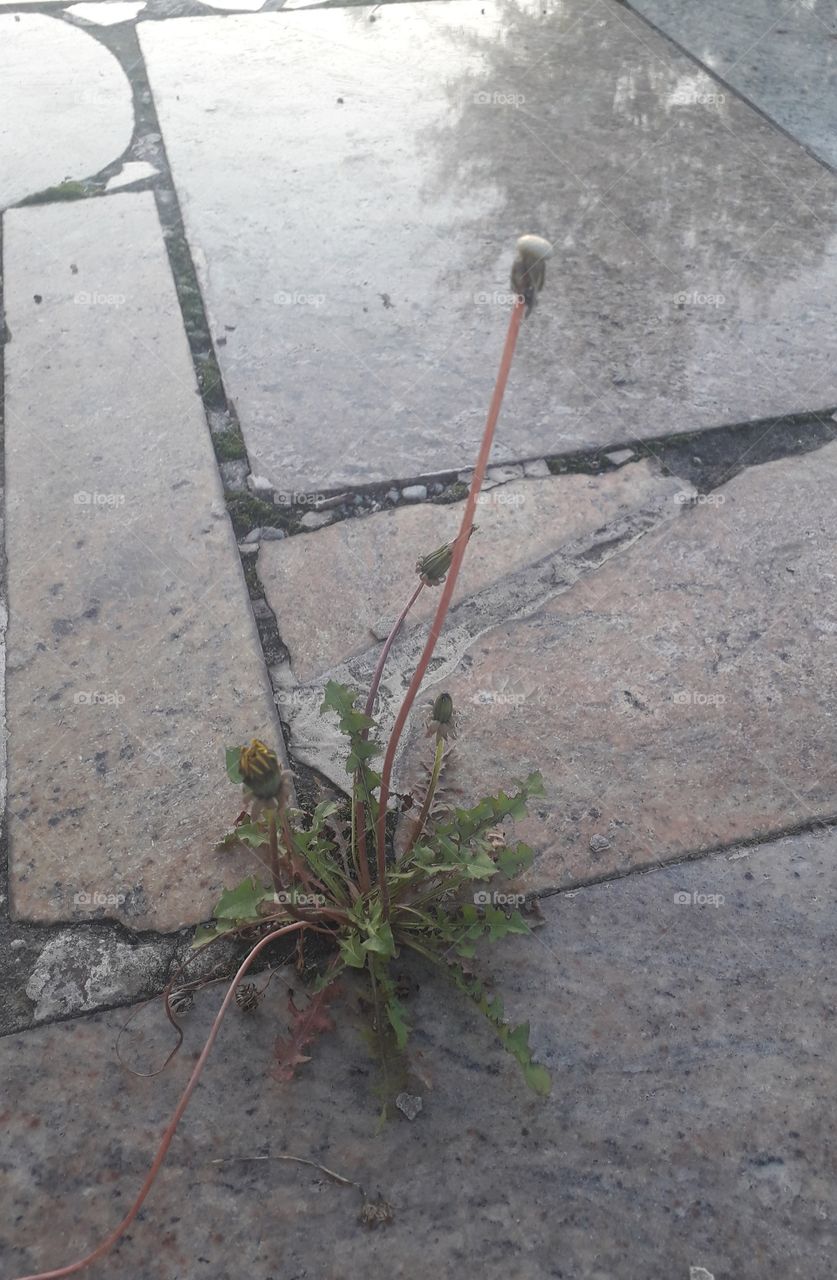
(780,56)
(680,697)
(133,653)
(686,1017)
(65,105)
(363,296)
(339,590)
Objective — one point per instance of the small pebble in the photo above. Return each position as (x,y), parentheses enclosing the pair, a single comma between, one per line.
(619,457)
(414,493)
(598,843)
(410,1104)
(259,484)
(538,469)
(253,536)
(269,534)
(316,519)
(248,548)
(393,495)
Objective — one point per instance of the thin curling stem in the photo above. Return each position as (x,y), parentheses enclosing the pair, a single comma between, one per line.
(447,592)
(108,1243)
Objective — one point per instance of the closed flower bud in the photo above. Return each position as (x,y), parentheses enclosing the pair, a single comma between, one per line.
(433,568)
(260,770)
(442,721)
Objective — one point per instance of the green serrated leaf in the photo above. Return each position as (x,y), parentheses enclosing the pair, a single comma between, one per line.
(241,903)
(206,933)
(232,758)
(380,940)
(351,951)
(513,859)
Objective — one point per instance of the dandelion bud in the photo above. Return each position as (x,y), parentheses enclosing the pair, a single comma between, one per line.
(433,568)
(260,770)
(441,721)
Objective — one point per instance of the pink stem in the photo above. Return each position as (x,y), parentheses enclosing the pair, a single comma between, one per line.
(111,1240)
(447,592)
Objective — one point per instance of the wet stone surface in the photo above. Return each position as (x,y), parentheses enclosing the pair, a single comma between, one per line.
(365,286)
(781,57)
(50,130)
(133,655)
(684,1016)
(677,699)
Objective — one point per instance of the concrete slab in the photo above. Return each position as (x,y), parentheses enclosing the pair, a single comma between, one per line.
(679,698)
(65,105)
(109,14)
(133,653)
(781,57)
(338,591)
(367,279)
(684,1016)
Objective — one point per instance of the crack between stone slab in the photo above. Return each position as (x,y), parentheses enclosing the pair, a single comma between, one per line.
(815,827)
(735,92)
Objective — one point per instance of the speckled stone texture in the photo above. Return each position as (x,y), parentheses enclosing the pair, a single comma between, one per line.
(133,654)
(338,591)
(691,1045)
(355,254)
(677,699)
(780,56)
(65,105)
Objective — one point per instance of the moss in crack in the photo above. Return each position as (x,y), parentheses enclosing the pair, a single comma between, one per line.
(69,190)
(229,446)
(455,493)
(251,577)
(248,512)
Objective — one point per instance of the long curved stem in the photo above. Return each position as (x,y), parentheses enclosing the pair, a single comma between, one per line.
(450,582)
(108,1243)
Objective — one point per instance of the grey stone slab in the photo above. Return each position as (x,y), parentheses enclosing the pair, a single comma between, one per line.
(65,105)
(133,656)
(781,56)
(685,1016)
(677,699)
(336,592)
(367,277)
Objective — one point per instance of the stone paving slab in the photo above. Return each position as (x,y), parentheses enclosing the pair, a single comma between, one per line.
(362,298)
(679,698)
(133,653)
(334,598)
(365,569)
(685,1016)
(65,105)
(781,57)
